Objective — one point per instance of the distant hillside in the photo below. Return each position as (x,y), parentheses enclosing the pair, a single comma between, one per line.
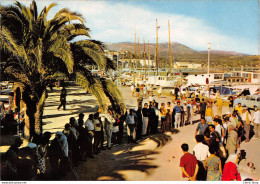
(182,53)
(176,48)
(221,52)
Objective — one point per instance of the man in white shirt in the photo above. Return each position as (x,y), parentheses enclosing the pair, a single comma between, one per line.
(130,122)
(201,152)
(90,127)
(150,99)
(256,120)
(246,118)
(189,112)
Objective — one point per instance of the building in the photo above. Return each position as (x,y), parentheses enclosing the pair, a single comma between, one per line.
(187,65)
(244,77)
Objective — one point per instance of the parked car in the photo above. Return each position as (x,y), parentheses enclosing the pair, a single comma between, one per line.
(8,92)
(7,102)
(251,101)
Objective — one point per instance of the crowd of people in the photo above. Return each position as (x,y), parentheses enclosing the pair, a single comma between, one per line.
(214,157)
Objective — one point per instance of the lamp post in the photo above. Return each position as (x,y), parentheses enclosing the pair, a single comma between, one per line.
(208,57)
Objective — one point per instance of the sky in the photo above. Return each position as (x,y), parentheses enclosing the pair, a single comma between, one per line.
(230,25)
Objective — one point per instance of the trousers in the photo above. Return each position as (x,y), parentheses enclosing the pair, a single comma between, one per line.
(145,125)
(177,120)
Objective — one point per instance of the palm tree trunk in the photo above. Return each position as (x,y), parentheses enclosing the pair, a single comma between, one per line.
(34,112)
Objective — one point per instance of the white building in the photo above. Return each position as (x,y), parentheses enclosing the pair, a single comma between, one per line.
(202,78)
(187,65)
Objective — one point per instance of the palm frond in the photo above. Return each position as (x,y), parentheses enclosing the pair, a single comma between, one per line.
(72,30)
(69,15)
(114,95)
(94,51)
(95,88)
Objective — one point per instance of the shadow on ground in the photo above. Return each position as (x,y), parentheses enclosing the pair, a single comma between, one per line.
(108,164)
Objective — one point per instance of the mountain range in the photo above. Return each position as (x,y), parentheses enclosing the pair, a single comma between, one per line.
(163,49)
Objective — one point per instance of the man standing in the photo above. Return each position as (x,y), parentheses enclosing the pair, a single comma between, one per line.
(232,140)
(169,114)
(203,107)
(201,152)
(63,99)
(178,109)
(130,122)
(145,112)
(190,112)
(140,102)
(219,103)
(97,134)
(209,114)
(90,127)
(231,102)
(163,113)
(109,121)
(188,164)
(256,120)
(202,126)
(176,91)
(246,118)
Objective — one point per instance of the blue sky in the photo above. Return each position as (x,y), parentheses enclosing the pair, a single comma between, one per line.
(231,25)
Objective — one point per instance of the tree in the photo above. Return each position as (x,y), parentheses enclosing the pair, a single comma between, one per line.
(35,50)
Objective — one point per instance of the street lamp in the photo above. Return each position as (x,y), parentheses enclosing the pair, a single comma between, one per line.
(208,57)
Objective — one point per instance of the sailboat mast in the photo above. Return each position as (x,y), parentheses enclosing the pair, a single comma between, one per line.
(139,56)
(170,55)
(144,62)
(135,59)
(156,59)
(148,58)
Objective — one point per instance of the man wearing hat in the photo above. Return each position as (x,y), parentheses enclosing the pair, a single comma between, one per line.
(256,120)
(246,118)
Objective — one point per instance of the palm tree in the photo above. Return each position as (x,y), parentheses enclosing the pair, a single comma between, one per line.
(35,50)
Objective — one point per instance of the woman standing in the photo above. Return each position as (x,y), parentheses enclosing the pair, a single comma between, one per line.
(163,113)
(230,172)
(213,166)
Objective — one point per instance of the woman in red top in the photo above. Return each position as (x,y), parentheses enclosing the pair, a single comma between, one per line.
(230,172)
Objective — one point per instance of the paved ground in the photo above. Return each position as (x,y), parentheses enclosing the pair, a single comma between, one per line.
(155,158)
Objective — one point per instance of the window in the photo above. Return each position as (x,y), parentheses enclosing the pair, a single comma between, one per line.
(245,75)
(218,76)
(256,76)
(258,99)
(248,98)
